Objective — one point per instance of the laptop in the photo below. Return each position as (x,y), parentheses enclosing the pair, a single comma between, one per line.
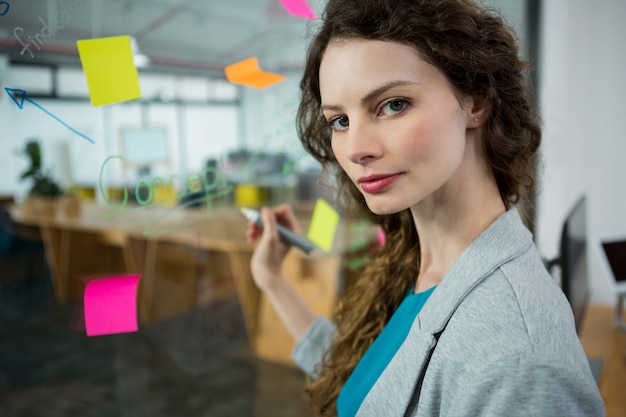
(613,256)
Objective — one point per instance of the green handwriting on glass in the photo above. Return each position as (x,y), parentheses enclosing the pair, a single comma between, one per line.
(204,193)
(212,190)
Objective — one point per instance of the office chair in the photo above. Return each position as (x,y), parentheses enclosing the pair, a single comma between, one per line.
(21,260)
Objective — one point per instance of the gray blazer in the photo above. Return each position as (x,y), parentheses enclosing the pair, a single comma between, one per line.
(509,347)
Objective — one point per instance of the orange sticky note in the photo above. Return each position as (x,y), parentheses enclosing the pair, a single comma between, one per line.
(109,68)
(111,305)
(323,225)
(249,73)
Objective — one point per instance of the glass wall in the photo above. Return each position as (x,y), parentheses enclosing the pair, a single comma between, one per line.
(125,287)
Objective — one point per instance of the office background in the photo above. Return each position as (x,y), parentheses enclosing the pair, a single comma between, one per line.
(580,64)
(579,72)
(581,98)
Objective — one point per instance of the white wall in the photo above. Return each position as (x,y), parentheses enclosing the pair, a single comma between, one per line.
(583,88)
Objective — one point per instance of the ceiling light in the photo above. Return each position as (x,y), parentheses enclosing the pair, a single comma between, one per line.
(140,60)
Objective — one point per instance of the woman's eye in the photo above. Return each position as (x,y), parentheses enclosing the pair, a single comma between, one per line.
(394,107)
(339,123)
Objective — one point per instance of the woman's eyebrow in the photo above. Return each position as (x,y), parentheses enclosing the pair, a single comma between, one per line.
(372,95)
(382,89)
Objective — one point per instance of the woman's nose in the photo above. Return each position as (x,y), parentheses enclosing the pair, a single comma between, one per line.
(363,142)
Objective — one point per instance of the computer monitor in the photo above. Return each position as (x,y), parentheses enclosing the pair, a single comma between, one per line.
(573,261)
(144,146)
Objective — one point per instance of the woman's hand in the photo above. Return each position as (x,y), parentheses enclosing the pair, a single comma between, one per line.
(268,256)
(266,264)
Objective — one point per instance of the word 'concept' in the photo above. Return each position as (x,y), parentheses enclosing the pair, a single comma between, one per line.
(212,185)
(207,191)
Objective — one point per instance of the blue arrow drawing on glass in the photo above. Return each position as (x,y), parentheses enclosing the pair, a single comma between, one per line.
(19,96)
(7,6)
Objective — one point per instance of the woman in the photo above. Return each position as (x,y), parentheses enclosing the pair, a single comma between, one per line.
(424,107)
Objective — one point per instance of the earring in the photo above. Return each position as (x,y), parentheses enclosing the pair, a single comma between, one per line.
(476,119)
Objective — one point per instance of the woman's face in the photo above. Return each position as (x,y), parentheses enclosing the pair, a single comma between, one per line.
(398,129)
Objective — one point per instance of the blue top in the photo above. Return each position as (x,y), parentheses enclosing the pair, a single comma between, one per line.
(380,353)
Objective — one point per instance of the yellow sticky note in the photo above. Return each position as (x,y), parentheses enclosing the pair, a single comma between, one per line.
(110,70)
(249,73)
(323,225)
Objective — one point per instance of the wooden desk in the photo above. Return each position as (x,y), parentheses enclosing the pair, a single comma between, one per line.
(192,250)
(601,339)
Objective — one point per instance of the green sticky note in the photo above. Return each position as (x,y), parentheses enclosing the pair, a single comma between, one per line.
(323,225)
(109,68)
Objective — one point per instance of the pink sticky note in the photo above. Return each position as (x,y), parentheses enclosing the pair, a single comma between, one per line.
(299,8)
(381,236)
(111,305)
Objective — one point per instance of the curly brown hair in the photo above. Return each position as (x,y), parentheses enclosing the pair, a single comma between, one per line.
(478,53)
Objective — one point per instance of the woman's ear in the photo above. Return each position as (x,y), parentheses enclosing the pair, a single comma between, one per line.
(478,112)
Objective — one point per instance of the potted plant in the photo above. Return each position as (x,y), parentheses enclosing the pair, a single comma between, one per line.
(44,190)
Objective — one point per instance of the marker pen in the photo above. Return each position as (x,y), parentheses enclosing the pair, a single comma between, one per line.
(288,236)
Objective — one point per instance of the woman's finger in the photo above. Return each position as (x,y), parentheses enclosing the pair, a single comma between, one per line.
(269,225)
(287,218)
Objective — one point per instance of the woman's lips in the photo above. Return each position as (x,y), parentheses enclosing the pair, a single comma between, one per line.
(379,184)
